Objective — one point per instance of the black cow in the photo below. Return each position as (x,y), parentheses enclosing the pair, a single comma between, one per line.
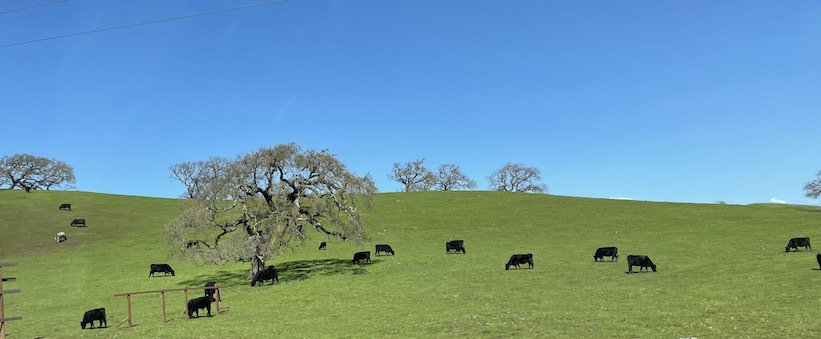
(78,222)
(456,246)
(196,304)
(818,257)
(384,249)
(358,257)
(90,316)
(270,274)
(209,292)
(798,242)
(164,268)
(639,260)
(602,252)
(323,246)
(65,207)
(518,259)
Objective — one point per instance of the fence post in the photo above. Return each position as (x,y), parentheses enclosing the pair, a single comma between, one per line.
(162,299)
(129,310)
(218,297)
(3,319)
(186,303)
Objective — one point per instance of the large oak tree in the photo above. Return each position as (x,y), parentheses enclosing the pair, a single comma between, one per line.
(261,203)
(30,172)
(517,178)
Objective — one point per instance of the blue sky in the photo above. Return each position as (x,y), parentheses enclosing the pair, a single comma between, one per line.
(688,101)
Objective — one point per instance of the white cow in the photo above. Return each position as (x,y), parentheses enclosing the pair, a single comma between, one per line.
(61,236)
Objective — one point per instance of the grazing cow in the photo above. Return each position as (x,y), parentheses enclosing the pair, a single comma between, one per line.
(61,236)
(210,292)
(65,207)
(818,257)
(90,316)
(798,242)
(164,268)
(602,252)
(518,259)
(78,222)
(270,274)
(639,260)
(358,257)
(196,304)
(456,246)
(384,249)
(323,246)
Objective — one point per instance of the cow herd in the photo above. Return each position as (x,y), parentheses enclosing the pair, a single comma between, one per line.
(61,236)
(451,247)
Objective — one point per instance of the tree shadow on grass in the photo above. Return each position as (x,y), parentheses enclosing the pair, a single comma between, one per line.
(288,271)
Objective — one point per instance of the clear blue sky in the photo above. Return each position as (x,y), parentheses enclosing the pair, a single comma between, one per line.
(686,101)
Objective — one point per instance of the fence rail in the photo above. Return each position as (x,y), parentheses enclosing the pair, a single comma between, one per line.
(162,300)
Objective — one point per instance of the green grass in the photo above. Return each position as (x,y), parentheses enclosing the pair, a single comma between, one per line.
(722,271)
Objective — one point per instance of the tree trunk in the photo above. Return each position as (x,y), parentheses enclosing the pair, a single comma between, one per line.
(257,264)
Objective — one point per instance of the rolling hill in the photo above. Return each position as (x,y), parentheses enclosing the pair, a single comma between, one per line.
(722,271)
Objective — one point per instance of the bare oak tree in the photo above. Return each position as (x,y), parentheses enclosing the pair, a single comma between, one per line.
(413,175)
(451,178)
(30,172)
(517,178)
(813,188)
(254,207)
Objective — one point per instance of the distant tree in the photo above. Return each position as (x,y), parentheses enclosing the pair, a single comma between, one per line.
(451,178)
(413,175)
(813,188)
(517,178)
(254,207)
(31,172)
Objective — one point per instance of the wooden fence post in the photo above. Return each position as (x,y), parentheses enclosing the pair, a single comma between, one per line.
(186,303)
(129,310)
(162,299)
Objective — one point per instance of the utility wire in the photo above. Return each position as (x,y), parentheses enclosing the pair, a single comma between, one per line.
(30,7)
(141,23)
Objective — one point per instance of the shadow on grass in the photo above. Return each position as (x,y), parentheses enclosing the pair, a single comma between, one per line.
(288,271)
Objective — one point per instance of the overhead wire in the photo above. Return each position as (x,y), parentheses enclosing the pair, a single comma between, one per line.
(141,23)
(33,6)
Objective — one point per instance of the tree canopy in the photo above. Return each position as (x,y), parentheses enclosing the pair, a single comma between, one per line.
(517,178)
(414,175)
(813,188)
(451,178)
(255,206)
(29,172)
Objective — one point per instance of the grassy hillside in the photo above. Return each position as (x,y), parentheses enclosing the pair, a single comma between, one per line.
(722,271)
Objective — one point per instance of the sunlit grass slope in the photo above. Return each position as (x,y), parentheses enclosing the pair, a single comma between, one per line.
(722,271)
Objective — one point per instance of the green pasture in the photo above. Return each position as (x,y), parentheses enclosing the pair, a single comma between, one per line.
(722,271)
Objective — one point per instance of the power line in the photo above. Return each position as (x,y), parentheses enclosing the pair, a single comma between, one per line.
(142,23)
(34,6)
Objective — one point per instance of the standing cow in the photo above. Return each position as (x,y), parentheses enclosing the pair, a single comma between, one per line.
(196,304)
(455,246)
(61,236)
(323,246)
(90,316)
(359,257)
(385,249)
(518,259)
(161,268)
(642,261)
(602,252)
(818,257)
(798,242)
(269,274)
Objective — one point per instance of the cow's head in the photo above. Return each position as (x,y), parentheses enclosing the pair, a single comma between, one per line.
(83,325)
(172,273)
(653,266)
(787,249)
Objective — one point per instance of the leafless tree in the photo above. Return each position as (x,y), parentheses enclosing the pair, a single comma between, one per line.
(813,188)
(413,175)
(517,178)
(31,172)
(254,207)
(451,178)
